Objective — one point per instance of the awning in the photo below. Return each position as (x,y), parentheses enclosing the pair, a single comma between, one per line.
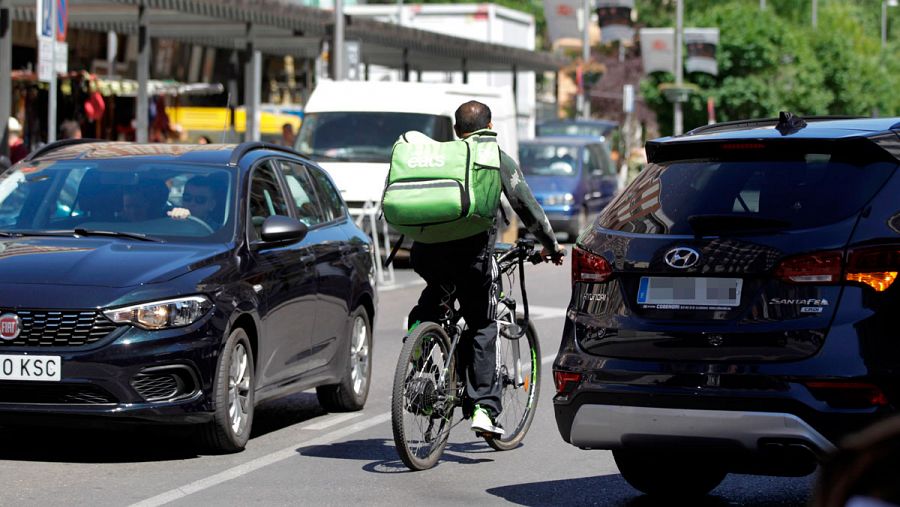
(281,27)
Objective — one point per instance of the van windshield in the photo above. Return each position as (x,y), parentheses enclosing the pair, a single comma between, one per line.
(548,159)
(364,136)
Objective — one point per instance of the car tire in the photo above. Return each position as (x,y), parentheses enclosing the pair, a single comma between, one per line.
(668,475)
(233,395)
(353,390)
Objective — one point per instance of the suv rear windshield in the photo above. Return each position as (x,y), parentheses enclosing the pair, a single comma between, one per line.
(364,136)
(711,196)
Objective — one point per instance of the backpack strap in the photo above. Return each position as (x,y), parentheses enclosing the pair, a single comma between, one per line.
(390,258)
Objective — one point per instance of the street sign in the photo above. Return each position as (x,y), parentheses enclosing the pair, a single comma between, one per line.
(62,20)
(44,17)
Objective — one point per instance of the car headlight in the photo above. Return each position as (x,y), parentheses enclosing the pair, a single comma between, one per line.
(162,314)
(554,199)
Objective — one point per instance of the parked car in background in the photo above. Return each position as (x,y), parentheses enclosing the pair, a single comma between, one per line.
(178,285)
(572,178)
(735,308)
(594,128)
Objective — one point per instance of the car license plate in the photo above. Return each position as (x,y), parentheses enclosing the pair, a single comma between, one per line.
(21,367)
(690,293)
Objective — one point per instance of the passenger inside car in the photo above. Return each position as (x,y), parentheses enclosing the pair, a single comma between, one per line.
(97,200)
(148,200)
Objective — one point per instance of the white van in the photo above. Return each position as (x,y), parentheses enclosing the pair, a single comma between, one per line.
(350,127)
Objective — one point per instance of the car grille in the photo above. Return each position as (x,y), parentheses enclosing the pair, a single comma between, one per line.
(44,328)
(54,394)
(163,384)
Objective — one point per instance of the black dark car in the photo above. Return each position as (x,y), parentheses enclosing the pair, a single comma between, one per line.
(734,309)
(178,284)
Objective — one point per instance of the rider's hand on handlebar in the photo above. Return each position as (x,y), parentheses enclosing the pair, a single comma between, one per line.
(555,257)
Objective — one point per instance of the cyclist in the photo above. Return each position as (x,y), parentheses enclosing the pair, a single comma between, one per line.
(466,268)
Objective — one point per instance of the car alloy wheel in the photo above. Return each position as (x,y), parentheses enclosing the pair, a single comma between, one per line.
(359,355)
(239,389)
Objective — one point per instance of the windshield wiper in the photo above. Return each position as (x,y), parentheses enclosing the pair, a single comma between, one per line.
(734,224)
(116,234)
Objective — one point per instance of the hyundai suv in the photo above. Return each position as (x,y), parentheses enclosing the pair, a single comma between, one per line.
(734,309)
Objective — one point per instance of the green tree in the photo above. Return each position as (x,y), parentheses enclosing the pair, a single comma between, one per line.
(774,60)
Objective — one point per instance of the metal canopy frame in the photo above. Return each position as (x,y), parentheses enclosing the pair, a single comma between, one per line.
(275,27)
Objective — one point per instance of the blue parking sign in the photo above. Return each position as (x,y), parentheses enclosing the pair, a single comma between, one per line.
(45,18)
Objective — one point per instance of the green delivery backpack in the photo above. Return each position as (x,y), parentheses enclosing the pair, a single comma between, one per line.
(443,191)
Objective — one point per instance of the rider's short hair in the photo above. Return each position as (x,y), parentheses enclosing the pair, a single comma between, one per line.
(472,116)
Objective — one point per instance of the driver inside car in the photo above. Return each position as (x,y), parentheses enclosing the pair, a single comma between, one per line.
(199,200)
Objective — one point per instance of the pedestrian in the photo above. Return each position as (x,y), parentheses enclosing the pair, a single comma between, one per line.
(467,265)
(864,472)
(17,148)
(70,129)
(204,140)
(287,135)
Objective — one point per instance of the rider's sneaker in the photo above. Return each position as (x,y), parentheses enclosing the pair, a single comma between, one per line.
(482,423)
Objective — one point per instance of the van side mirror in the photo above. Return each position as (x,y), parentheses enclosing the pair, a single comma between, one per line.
(277,228)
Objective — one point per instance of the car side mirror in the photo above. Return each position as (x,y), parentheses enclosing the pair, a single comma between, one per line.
(277,228)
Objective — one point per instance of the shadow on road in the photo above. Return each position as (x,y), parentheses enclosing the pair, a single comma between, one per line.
(95,445)
(105,442)
(382,456)
(280,413)
(612,490)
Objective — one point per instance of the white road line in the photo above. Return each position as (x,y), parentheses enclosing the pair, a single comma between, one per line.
(331,421)
(272,458)
(256,464)
(536,312)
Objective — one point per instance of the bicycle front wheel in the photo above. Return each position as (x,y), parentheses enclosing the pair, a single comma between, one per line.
(424,396)
(520,373)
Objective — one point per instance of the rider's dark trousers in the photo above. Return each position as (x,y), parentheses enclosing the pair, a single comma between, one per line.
(467,268)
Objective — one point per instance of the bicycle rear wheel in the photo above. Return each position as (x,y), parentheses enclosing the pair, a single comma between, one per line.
(422,403)
(520,373)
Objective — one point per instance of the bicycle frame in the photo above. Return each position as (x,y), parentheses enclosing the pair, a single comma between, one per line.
(507,259)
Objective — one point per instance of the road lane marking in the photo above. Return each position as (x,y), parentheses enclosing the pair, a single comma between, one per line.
(272,458)
(331,421)
(536,312)
(261,462)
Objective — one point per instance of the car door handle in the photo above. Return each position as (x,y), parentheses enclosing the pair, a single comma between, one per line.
(307,259)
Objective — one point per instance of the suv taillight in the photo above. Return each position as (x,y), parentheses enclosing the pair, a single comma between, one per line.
(588,267)
(820,267)
(876,267)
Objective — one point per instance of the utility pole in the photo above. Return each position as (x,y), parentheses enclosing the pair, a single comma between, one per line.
(585,58)
(678,127)
(337,52)
(815,13)
(762,5)
(51,96)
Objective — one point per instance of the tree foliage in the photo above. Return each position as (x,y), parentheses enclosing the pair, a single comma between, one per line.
(774,60)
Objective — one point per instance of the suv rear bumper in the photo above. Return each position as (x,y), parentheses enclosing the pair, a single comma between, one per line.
(617,427)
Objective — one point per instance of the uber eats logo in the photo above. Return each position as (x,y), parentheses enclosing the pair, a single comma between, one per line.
(426,155)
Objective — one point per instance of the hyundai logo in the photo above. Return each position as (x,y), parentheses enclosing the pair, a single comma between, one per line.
(682,257)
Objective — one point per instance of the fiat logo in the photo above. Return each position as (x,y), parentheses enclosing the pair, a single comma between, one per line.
(10,325)
(682,257)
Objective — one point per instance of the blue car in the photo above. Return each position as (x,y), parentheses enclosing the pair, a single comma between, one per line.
(572,178)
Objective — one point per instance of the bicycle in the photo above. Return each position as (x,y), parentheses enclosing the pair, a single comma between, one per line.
(427,389)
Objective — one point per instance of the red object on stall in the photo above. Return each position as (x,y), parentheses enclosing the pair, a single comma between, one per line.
(94,106)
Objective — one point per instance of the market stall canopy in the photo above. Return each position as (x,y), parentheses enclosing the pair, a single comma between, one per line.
(282,27)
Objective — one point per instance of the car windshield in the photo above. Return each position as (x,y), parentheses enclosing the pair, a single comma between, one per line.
(719,196)
(364,136)
(548,160)
(574,129)
(165,201)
